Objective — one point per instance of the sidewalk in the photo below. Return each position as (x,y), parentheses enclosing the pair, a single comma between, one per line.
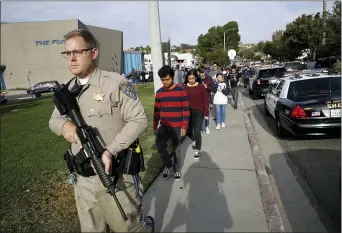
(217,193)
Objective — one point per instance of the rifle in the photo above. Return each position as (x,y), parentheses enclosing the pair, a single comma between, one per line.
(66,104)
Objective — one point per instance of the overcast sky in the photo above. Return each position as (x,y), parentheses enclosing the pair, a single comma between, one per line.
(183,21)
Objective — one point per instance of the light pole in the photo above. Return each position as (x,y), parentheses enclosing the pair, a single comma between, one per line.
(324,21)
(156,49)
(224,37)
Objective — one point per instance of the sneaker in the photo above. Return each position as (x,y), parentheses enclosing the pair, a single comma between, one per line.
(207,130)
(223,125)
(177,175)
(218,127)
(193,145)
(167,172)
(196,156)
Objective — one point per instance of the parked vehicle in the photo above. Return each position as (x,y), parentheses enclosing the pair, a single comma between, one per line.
(3,98)
(305,105)
(43,87)
(263,77)
(294,66)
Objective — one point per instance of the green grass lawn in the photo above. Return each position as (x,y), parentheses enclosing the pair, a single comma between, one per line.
(35,194)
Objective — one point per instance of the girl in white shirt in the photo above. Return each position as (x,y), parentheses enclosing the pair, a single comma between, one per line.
(221,91)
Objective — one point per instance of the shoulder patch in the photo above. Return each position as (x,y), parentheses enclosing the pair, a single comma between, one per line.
(127,88)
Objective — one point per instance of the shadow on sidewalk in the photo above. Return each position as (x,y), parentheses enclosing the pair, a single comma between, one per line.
(162,191)
(205,208)
(321,170)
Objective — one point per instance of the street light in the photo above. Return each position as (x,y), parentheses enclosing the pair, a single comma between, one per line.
(224,37)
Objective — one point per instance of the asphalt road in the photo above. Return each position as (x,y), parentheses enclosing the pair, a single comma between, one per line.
(318,160)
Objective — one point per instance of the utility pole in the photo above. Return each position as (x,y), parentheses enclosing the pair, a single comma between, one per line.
(169,53)
(324,21)
(156,48)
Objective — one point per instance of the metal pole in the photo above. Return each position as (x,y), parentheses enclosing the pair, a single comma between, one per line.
(224,41)
(156,48)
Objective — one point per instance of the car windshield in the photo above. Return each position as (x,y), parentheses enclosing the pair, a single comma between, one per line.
(295,66)
(269,73)
(313,88)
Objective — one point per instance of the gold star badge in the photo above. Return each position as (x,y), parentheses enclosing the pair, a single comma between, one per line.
(98,96)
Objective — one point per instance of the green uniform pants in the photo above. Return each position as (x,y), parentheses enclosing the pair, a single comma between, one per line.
(96,207)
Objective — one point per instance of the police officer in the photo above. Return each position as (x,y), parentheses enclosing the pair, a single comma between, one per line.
(110,105)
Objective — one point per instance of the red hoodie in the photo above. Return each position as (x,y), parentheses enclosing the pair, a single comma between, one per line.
(198,98)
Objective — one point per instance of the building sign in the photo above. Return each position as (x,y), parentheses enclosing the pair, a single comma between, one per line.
(49,42)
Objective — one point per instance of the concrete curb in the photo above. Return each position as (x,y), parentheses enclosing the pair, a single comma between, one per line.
(272,214)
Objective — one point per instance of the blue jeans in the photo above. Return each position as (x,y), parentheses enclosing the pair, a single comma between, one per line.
(220,113)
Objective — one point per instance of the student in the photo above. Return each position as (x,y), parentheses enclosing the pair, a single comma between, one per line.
(208,84)
(199,108)
(171,111)
(221,91)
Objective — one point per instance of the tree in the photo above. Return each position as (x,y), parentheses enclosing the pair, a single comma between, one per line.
(257,57)
(210,45)
(279,48)
(333,33)
(148,49)
(260,46)
(268,48)
(187,46)
(305,33)
(246,53)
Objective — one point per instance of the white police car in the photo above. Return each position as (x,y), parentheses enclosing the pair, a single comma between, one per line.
(304,105)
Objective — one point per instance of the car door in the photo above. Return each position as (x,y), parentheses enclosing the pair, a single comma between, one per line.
(252,79)
(274,97)
(269,94)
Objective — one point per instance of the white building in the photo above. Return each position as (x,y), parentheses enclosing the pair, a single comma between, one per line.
(183,59)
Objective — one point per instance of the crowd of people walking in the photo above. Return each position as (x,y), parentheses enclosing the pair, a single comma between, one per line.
(183,106)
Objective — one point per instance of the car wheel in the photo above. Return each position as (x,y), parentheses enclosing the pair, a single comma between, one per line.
(280,129)
(52,90)
(267,113)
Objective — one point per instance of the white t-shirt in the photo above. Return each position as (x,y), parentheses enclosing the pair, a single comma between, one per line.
(83,81)
(219,97)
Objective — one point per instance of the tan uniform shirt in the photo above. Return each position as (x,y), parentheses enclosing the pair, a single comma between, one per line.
(109,104)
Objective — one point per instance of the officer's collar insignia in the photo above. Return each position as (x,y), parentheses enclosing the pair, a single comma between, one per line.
(98,96)
(127,88)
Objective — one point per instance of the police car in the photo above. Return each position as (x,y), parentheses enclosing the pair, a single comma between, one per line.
(305,105)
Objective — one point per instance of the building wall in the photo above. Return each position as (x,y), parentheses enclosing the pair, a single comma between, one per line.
(32,51)
(110,48)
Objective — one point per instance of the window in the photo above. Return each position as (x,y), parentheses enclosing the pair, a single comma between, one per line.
(275,84)
(310,88)
(269,73)
(336,87)
(278,88)
(295,66)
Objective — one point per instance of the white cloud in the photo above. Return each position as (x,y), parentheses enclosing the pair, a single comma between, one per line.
(183,21)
